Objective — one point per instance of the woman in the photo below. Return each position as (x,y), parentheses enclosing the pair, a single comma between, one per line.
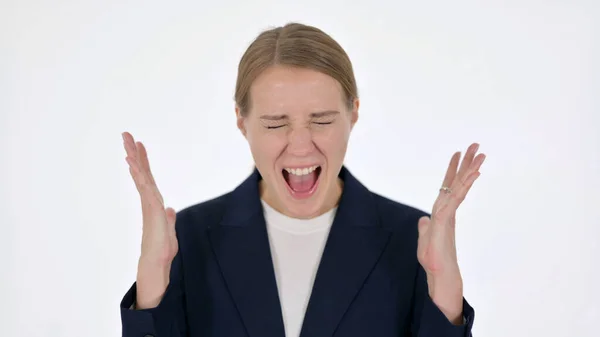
(301,247)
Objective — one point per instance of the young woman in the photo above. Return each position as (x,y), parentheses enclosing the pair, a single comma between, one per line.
(301,247)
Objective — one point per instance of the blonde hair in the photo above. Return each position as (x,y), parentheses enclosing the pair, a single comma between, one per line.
(295,45)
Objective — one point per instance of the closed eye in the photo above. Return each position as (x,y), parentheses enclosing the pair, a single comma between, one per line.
(271,127)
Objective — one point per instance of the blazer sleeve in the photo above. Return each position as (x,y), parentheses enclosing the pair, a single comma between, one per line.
(168,319)
(430,321)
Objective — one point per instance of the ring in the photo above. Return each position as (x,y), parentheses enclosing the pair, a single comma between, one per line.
(446,189)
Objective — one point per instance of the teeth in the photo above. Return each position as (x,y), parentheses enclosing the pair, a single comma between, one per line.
(301,171)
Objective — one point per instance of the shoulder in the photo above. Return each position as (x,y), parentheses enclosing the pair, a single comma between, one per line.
(397,216)
(199,216)
(401,220)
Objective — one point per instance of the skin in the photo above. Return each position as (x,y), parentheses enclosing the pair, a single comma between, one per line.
(436,250)
(298,118)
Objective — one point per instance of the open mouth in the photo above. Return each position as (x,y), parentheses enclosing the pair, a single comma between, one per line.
(302,182)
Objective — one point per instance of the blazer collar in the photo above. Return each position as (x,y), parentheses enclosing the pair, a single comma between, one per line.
(241,246)
(356,205)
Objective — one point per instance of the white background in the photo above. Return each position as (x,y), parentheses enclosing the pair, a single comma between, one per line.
(522,78)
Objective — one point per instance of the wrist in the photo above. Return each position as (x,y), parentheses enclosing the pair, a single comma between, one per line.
(151,283)
(150,262)
(447,294)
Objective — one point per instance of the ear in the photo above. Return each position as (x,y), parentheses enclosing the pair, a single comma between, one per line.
(355,106)
(240,120)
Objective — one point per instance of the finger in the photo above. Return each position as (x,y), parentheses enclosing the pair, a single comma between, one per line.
(460,184)
(469,182)
(423,225)
(147,189)
(129,144)
(143,154)
(477,162)
(448,179)
(137,152)
(465,166)
(135,172)
(171,216)
(451,171)
(461,194)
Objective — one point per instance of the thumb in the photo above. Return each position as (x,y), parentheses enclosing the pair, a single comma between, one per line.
(171,216)
(423,225)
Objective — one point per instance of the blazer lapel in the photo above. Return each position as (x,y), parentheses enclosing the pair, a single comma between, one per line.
(355,243)
(241,246)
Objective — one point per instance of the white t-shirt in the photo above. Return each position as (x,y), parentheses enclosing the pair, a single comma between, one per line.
(296,247)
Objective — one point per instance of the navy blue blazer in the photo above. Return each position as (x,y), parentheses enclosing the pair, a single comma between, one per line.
(368,283)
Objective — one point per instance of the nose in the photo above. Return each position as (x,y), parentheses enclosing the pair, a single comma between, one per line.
(300,142)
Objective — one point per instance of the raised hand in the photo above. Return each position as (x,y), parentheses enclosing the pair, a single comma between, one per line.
(436,250)
(159,242)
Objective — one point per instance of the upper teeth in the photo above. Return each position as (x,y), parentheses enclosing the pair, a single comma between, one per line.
(301,171)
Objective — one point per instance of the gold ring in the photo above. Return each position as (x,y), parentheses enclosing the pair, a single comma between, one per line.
(446,189)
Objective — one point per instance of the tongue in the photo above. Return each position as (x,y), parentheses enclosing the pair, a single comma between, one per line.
(302,183)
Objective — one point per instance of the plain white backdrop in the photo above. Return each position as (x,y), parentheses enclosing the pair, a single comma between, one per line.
(522,78)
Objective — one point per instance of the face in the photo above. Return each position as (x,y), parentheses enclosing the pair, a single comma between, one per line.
(298,128)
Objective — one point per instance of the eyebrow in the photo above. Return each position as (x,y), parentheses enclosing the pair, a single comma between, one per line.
(319,114)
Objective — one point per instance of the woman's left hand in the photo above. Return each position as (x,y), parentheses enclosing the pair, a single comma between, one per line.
(437,245)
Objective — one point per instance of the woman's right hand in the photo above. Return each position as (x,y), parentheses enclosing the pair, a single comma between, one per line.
(159,242)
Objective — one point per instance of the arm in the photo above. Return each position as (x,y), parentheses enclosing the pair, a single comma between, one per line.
(158,290)
(440,309)
(167,319)
(429,320)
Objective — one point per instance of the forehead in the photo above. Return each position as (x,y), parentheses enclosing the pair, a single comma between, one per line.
(295,91)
